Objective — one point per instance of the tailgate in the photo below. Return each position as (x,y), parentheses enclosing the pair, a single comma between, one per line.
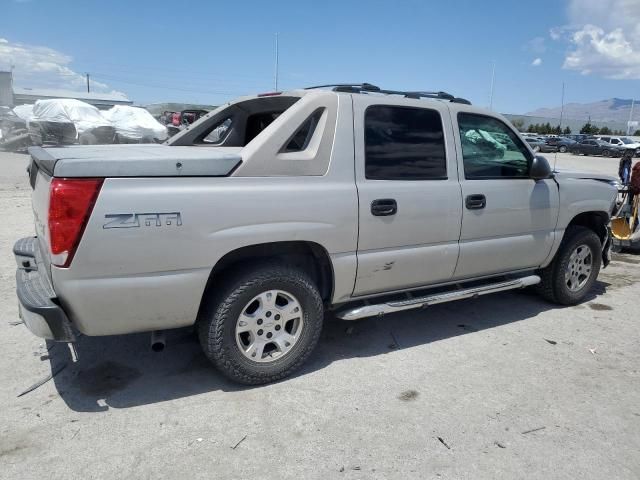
(40,180)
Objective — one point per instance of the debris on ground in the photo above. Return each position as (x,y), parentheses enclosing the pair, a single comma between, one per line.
(13,324)
(533,430)
(552,342)
(593,351)
(236,445)
(408,395)
(44,380)
(498,444)
(444,443)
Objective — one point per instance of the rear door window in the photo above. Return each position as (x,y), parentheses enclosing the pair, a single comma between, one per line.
(404,143)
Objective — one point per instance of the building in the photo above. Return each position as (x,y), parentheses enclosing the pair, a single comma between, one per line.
(103,101)
(11,95)
(6,93)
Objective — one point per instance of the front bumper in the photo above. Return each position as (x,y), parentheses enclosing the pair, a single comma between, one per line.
(38,304)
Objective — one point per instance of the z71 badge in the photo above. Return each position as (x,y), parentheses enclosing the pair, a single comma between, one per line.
(135,220)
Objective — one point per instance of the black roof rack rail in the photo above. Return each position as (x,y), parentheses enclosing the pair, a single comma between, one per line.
(369,88)
(349,87)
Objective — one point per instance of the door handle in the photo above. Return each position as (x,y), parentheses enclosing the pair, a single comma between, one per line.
(475,202)
(383,207)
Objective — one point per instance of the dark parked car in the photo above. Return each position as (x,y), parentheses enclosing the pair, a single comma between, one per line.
(596,147)
(536,144)
(559,144)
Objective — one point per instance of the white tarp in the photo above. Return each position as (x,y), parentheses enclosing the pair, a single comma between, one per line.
(135,123)
(23,111)
(82,115)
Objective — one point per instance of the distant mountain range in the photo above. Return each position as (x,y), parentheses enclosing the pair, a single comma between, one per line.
(611,110)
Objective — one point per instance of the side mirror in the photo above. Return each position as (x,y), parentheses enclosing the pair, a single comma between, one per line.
(540,168)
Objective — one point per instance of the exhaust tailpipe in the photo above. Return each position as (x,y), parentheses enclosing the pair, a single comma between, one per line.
(158,341)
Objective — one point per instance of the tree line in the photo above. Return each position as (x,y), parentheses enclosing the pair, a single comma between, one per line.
(547,129)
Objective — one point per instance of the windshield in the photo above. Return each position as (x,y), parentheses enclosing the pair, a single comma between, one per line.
(626,140)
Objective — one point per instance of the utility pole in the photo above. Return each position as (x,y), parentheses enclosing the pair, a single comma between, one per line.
(276,67)
(88,89)
(630,117)
(493,78)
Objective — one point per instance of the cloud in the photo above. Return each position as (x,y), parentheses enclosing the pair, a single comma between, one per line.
(537,62)
(603,37)
(43,67)
(536,45)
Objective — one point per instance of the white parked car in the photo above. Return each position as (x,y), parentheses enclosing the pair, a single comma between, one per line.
(135,125)
(623,142)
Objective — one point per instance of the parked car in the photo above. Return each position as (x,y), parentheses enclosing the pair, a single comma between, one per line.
(536,144)
(596,147)
(579,137)
(623,142)
(346,199)
(135,125)
(67,121)
(559,144)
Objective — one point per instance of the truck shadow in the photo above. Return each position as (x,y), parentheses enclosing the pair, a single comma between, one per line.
(123,372)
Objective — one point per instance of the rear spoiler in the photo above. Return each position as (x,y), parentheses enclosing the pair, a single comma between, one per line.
(45,161)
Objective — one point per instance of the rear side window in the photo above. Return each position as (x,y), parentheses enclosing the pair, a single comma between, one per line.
(404,143)
(300,140)
(219,133)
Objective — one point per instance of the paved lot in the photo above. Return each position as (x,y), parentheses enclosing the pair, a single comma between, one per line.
(506,386)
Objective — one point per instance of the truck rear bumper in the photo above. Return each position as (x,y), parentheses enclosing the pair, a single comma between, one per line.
(37,300)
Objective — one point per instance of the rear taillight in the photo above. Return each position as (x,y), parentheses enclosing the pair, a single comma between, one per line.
(70,203)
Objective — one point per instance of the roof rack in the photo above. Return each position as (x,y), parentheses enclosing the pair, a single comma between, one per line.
(369,88)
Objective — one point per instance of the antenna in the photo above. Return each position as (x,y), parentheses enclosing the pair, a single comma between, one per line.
(276,67)
(493,78)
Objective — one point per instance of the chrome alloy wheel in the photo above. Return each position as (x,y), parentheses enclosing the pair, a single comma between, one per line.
(579,266)
(269,326)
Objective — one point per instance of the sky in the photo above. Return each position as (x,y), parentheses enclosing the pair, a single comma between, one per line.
(209,51)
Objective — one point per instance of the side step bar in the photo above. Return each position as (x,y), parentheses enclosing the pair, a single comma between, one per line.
(356,313)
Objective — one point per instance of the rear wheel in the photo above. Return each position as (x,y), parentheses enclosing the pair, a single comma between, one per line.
(574,270)
(606,153)
(263,325)
(562,149)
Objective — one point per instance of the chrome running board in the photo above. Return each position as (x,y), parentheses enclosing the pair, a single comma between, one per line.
(356,313)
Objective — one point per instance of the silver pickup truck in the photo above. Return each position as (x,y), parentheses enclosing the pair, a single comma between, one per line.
(274,209)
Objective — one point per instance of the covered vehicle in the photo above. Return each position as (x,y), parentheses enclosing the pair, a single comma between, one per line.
(13,131)
(24,112)
(135,125)
(66,120)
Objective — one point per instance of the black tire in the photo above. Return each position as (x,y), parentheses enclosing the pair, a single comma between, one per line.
(562,149)
(606,153)
(553,286)
(221,310)
(88,139)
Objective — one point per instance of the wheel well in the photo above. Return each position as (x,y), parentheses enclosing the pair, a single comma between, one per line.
(596,221)
(309,256)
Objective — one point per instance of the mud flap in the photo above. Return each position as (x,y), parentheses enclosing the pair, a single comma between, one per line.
(606,250)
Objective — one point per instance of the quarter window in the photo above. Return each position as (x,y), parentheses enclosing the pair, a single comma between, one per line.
(490,149)
(404,143)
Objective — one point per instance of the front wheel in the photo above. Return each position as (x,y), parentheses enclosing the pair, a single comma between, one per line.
(263,324)
(562,149)
(574,270)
